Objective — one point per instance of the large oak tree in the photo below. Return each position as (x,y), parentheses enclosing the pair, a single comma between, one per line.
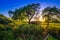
(25,12)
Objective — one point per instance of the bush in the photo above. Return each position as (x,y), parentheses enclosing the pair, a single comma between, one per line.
(51,38)
(54,32)
(28,32)
(6,34)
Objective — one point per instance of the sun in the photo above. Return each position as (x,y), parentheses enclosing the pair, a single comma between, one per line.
(41,19)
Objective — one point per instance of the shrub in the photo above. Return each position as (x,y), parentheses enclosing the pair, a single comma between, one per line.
(28,32)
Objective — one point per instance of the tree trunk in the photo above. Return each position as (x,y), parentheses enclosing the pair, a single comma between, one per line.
(29,21)
(30,18)
(48,22)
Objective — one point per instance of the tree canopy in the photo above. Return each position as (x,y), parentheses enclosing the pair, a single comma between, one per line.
(49,12)
(24,12)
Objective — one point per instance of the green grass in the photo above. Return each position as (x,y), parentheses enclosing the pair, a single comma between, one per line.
(52,25)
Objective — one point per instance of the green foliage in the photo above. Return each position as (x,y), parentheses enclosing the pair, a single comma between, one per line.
(49,12)
(24,12)
(6,34)
(27,32)
(4,20)
(51,38)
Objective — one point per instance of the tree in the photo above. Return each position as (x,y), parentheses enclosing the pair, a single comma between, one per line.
(46,13)
(31,10)
(25,12)
(49,12)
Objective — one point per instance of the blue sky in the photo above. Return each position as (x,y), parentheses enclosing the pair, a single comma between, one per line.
(6,5)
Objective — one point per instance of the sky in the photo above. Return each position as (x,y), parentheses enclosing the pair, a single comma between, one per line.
(6,5)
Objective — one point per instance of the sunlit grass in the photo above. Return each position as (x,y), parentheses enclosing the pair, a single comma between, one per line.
(51,25)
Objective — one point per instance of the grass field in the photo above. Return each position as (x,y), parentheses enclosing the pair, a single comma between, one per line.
(51,25)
